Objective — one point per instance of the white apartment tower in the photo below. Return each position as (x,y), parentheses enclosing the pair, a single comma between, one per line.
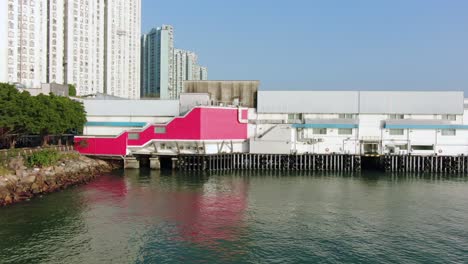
(94,44)
(23,47)
(122,48)
(186,69)
(157,63)
(54,40)
(84,45)
(203,73)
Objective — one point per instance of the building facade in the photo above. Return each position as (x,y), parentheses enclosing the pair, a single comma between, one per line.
(361,122)
(157,62)
(84,45)
(203,73)
(122,48)
(299,122)
(164,68)
(30,30)
(186,69)
(81,42)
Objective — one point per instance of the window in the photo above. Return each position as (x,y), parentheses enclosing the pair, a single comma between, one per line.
(346,116)
(294,116)
(449,132)
(319,131)
(397,132)
(160,130)
(449,117)
(393,116)
(345,131)
(133,136)
(422,147)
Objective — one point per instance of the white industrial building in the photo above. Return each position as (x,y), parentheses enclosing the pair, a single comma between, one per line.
(360,122)
(315,122)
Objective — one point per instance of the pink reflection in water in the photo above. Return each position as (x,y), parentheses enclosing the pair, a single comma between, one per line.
(106,188)
(203,217)
(207,218)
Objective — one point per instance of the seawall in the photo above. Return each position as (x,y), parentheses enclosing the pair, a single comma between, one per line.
(23,183)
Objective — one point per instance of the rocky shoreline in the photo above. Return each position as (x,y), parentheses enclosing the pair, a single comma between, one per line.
(23,183)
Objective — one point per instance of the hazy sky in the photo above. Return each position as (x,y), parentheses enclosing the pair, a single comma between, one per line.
(324,44)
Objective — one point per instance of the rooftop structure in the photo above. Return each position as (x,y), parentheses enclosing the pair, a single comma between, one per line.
(236,93)
(364,102)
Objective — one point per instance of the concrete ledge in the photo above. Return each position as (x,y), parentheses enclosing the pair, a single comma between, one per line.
(131,163)
(155,164)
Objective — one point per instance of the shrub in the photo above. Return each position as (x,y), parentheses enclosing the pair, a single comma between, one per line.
(69,156)
(42,158)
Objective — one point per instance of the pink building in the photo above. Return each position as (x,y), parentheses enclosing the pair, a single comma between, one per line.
(203,130)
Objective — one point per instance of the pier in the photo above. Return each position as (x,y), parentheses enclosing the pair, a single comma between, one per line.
(300,162)
(281,162)
(414,163)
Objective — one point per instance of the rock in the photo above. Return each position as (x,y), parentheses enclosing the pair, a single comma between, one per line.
(59,170)
(8,200)
(29,179)
(27,183)
(10,178)
(19,172)
(35,188)
(3,192)
(16,163)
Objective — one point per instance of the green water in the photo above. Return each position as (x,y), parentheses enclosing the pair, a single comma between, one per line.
(244,217)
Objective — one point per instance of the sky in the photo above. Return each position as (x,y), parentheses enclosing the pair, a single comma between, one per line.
(323,44)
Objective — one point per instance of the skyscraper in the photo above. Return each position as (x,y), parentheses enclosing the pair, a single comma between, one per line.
(94,44)
(122,48)
(157,62)
(31,49)
(84,45)
(203,73)
(187,69)
(164,68)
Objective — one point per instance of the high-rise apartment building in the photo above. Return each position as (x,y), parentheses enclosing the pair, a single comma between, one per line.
(94,44)
(164,68)
(84,45)
(203,73)
(32,42)
(122,48)
(157,62)
(186,69)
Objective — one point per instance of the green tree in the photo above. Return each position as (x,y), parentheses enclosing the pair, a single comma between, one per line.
(71,90)
(45,115)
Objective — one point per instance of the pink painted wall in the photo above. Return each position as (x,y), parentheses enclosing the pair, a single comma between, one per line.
(245,114)
(103,146)
(198,124)
(222,124)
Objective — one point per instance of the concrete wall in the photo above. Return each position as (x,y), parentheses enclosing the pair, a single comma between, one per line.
(226,92)
(189,101)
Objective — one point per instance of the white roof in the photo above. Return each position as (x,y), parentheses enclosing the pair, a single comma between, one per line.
(411,102)
(131,107)
(324,102)
(364,102)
